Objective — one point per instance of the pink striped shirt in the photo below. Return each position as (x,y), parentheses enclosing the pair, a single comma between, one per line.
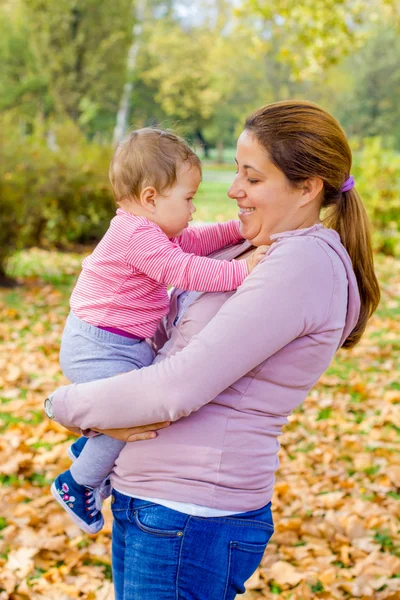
(123,283)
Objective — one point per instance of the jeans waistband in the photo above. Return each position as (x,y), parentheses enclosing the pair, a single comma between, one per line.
(121,501)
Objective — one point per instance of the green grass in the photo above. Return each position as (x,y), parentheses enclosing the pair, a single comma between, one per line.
(60,272)
(211,201)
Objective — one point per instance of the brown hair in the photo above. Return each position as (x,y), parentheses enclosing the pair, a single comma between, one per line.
(146,157)
(304,141)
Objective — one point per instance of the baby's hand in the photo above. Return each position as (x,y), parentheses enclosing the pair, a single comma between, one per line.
(256,257)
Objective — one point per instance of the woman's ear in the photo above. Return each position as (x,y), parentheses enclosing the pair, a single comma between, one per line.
(148,198)
(311,187)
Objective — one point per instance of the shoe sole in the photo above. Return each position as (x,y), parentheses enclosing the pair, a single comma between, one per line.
(74,517)
(71,454)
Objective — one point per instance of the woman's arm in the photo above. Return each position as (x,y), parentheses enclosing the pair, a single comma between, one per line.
(286,296)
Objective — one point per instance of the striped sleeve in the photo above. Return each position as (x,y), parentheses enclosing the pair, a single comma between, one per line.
(205,239)
(152,253)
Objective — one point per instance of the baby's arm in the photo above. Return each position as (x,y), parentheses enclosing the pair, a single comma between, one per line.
(152,253)
(205,239)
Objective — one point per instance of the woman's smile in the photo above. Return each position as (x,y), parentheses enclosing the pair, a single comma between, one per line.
(267,202)
(245,211)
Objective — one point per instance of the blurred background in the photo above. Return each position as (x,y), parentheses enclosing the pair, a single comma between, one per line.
(74,76)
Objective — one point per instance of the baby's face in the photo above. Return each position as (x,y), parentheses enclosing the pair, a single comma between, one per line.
(174,209)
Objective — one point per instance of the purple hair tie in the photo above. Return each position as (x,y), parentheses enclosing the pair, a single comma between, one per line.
(348,184)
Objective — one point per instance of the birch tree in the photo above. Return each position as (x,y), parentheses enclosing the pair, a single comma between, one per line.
(139,8)
(78,49)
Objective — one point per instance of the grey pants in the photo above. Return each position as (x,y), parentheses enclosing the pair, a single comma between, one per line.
(88,353)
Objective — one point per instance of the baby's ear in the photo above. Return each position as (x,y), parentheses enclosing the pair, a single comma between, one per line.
(148,198)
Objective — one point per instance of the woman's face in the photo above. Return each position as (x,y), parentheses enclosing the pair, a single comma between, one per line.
(267,203)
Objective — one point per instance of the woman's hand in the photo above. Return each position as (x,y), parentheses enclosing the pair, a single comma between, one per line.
(256,257)
(134,434)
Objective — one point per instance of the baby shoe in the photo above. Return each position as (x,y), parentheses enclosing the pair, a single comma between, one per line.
(80,502)
(76,448)
(105,489)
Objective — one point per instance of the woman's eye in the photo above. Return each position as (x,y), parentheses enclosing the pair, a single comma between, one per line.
(252,180)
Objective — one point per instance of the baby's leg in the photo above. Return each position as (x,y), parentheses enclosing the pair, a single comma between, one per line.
(96,460)
(89,353)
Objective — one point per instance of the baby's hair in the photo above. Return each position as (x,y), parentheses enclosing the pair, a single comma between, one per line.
(148,157)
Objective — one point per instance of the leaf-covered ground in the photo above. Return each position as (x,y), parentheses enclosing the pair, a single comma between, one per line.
(336,504)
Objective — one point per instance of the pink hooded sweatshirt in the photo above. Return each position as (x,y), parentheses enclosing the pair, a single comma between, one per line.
(233,368)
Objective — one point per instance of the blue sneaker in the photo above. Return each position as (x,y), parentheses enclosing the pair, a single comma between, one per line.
(74,451)
(80,502)
(76,448)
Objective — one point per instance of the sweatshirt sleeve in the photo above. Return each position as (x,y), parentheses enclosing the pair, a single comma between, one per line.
(151,252)
(287,295)
(206,239)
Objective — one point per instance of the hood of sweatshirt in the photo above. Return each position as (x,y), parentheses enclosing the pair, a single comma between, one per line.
(332,238)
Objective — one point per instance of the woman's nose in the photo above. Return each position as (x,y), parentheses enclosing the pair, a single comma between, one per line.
(235,190)
(192,209)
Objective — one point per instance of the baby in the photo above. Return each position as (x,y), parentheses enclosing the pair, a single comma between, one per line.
(121,293)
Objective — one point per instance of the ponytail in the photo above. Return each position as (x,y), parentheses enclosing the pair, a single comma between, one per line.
(349,218)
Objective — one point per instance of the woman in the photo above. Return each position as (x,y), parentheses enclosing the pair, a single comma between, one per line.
(192,507)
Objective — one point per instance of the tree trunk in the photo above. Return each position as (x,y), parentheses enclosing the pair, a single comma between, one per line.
(204,143)
(5,281)
(125,104)
(51,141)
(220,151)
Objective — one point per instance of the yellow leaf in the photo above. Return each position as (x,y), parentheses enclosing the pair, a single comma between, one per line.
(284,573)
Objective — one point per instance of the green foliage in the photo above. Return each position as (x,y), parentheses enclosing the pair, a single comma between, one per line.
(65,58)
(384,538)
(183,84)
(11,209)
(312,38)
(242,83)
(22,83)
(369,103)
(60,196)
(52,196)
(376,170)
(64,69)
(317,587)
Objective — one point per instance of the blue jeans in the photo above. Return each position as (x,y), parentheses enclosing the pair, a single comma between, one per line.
(162,554)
